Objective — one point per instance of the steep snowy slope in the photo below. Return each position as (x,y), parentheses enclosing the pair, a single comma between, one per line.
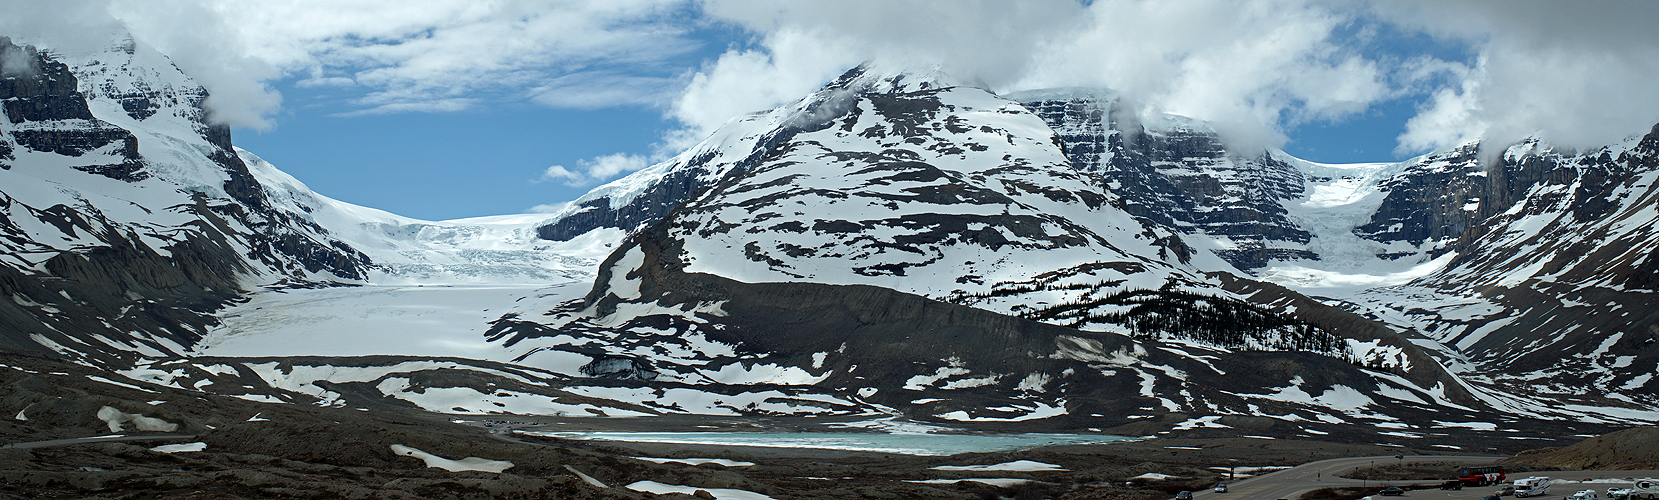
(128,218)
(1529,272)
(1547,284)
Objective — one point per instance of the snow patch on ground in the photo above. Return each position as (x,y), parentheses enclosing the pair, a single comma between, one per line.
(1038,411)
(118,419)
(698,461)
(1015,466)
(657,488)
(180,448)
(469,463)
(993,481)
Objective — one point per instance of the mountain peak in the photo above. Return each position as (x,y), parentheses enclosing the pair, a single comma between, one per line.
(882,78)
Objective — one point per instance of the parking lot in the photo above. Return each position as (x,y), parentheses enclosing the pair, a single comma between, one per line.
(1311,476)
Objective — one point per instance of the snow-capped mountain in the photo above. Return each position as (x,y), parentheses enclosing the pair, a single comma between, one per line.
(1495,263)
(1049,205)
(895,244)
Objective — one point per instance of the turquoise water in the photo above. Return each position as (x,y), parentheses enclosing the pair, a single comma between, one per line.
(909,444)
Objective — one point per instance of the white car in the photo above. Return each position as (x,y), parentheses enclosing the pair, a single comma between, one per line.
(1583,495)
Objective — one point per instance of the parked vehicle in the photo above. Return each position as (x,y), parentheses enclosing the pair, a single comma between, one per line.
(1393,491)
(1644,489)
(1185,495)
(1452,485)
(1507,490)
(1481,476)
(1532,486)
(1583,495)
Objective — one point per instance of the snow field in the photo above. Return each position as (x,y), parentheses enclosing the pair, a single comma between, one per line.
(365,321)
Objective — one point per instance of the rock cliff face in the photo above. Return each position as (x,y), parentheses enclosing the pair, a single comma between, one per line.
(48,112)
(1180,176)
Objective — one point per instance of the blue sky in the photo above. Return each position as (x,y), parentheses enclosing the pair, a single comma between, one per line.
(441,109)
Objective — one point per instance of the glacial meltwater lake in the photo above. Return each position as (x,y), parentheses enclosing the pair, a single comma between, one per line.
(909,444)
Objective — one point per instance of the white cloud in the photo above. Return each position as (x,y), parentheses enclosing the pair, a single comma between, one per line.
(1246,66)
(385,103)
(595,170)
(1578,73)
(327,81)
(414,55)
(600,90)
(793,65)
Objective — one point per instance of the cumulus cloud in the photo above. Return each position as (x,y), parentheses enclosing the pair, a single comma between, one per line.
(1249,67)
(417,55)
(206,46)
(805,44)
(1578,73)
(595,170)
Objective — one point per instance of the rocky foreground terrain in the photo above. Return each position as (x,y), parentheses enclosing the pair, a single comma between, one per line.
(255,449)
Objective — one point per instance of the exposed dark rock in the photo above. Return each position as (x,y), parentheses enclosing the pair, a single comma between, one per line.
(77,141)
(618,367)
(1254,258)
(123,291)
(43,90)
(1427,203)
(46,93)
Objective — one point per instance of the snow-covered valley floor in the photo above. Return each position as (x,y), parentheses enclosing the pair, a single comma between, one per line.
(448,320)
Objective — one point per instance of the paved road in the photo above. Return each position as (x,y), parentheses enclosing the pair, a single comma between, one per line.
(1322,474)
(1315,475)
(99,439)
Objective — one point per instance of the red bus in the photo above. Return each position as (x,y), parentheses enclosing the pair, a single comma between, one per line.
(1481,476)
